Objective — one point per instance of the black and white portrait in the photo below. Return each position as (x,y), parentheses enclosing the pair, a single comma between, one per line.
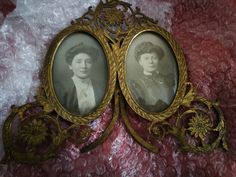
(151,72)
(80,74)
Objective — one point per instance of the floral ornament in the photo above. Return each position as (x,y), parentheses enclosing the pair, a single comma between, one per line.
(117,27)
(33,133)
(113,17)
(199,126)
(159,130)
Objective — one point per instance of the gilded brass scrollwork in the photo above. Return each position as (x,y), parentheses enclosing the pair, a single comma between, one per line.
(197,120)
(198,125)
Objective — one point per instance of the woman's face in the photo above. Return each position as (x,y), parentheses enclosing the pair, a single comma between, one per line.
(81,65)
(149,62)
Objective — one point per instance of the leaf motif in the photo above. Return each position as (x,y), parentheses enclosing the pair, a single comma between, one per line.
(21,115)
(189,97)
(47,107)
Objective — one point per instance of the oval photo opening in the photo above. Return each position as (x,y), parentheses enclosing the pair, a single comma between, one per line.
(80,74)
(151,72)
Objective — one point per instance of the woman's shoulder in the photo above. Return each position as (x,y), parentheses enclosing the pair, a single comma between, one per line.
(169,79)
(135,84)
(142,82)
(65,85)
(137,87)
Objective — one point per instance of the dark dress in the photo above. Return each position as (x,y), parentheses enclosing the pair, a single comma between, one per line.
(153,92)
(66,92)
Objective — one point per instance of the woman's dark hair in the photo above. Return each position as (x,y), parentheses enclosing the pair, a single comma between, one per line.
(81,48)
(148,47)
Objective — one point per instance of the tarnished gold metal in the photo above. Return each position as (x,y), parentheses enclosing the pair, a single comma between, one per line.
(196,124)
(110,127)
(38,132)
(135,134)
(33,132)
(182,72)
(97,33)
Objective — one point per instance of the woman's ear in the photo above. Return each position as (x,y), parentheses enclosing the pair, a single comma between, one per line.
(140,62)
(70,67)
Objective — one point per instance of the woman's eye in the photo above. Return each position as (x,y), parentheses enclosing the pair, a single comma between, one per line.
(154,58)
(89,61)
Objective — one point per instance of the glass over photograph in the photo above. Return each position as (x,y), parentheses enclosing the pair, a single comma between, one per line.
(80,73)
(151,72)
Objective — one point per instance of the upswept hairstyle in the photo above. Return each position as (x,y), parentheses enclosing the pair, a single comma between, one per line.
(81,48)
(148,47)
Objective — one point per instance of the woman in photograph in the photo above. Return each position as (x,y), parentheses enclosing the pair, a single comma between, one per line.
(153,91)
(80,94)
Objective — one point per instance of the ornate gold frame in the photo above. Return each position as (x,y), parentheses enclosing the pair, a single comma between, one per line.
(182,72)
(47,75)
(114,24)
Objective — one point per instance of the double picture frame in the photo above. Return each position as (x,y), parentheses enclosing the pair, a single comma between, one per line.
(81,71)
(117,59)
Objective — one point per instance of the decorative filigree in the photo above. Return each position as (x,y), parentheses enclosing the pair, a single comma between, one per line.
(115,17)
(34,132)
(38,132)
(199,126)
(158,130)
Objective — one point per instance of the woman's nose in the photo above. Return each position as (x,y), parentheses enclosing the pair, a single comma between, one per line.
(151,60)
(84,65)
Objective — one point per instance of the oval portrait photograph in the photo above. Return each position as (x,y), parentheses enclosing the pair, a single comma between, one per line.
(80,73)
(151,72)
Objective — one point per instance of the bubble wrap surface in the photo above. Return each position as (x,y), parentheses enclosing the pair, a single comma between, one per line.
(205,30)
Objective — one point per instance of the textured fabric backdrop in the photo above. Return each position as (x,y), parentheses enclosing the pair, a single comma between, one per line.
(205,30)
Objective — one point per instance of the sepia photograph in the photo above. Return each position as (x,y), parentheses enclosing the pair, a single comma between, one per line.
(151,72)
(80,74)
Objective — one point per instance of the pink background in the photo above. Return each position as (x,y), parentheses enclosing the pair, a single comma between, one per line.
(206,32)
